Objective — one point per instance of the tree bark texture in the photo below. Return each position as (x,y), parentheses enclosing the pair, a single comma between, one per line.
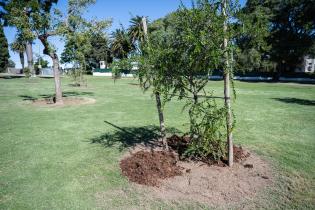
(227,94)
(29,55)
(161,119)
(53,55)
(21,54)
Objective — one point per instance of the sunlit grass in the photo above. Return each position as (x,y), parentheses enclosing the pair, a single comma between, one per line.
(47,160)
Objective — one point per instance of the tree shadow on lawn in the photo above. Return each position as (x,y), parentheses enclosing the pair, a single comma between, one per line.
(126,137)
(296,101)
(64,94)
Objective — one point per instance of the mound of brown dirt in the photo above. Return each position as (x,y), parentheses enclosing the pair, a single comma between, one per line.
(148,168)
(71,101)
(196,181)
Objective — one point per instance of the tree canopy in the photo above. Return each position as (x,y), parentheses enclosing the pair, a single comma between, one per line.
(4,51)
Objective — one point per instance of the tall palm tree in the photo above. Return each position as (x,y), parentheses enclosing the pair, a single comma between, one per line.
(121,44)
(135,30)
(19,46)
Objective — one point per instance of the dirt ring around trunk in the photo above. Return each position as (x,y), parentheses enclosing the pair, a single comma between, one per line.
(67,101)
(176,180)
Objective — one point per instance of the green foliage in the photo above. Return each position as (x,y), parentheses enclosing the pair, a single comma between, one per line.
(207,130)
(177,60)
(4,51)
(292,31)
(121,44)
(78,33)
(27,72)
(277,34)
(190,50)
(19,44)
(100,51)
(253,31)
(41,61)
(136,32)
(11,64)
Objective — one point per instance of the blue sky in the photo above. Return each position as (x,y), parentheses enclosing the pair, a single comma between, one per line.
(120,11)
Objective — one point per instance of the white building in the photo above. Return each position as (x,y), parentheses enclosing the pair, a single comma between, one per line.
(308,65)
(102,65)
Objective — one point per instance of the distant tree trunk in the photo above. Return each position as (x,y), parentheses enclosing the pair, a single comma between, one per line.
(161,119)
(58,92)
(29,55)
(227,98)
(53,55)
(22,59)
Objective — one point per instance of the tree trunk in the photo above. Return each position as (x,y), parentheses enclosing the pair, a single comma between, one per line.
(29,55)
(22,59)
(157,94)
(47,51)
(58,92)
(227,98)
(161,119)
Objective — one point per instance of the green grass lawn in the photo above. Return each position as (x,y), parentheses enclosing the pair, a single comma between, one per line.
(48,160)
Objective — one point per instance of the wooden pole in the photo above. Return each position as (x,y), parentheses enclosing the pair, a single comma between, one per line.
(227,94)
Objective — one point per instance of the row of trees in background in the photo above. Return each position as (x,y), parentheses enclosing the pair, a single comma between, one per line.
(276,35)
(39,19)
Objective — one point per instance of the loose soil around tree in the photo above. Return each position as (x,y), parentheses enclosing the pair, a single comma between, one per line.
(165,175)
(67,101)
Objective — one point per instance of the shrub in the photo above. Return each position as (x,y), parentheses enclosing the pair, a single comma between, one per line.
(27,72)
(207,130)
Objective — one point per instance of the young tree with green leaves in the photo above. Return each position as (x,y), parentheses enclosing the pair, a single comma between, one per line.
(78,34)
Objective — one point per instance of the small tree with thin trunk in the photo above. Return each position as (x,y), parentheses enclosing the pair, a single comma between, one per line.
(152,76)
(195,42)
(228,11)
(78,33)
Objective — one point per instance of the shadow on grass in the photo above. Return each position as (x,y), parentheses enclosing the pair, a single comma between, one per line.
(296,101)
(64,94)
(126,137)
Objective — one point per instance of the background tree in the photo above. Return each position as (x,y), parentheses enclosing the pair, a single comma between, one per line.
(19,46)
(35,19)
(4,51)
(41,62)
(121,45)
(292,32)
(252,34)
(78,34)
(27,37)
(100,51)
(136,32)
(11,64)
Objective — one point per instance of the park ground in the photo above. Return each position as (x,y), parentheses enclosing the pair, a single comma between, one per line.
(68,157)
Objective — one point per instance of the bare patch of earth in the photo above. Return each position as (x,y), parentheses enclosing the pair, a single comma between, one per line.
(69,101)
(212,185)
